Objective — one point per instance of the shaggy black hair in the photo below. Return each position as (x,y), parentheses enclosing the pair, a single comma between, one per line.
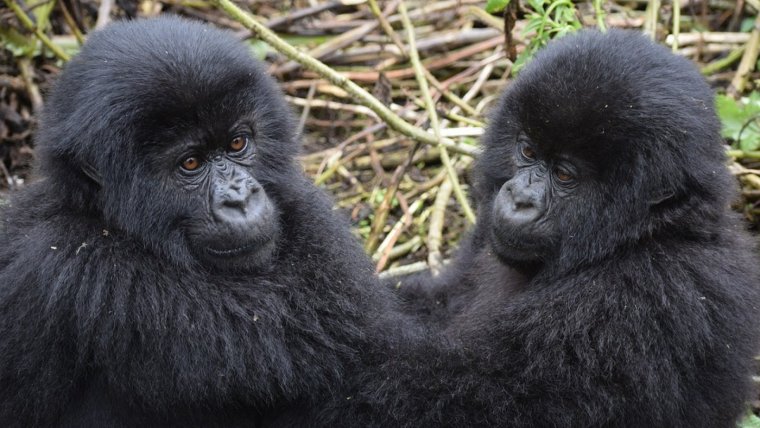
(106,316)
(642,313)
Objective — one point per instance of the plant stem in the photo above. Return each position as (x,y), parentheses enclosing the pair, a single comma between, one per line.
(29,25)
(364,97)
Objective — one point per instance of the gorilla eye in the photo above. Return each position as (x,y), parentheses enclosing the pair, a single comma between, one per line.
(563,175)
(238,143)
(528,152)
(191,164)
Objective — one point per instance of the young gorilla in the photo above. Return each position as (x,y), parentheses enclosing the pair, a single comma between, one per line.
(606,283)
(172,266)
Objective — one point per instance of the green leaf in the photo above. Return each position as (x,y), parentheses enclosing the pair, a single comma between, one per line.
(259,49)
(27,44)
(18,44)
(749,421)
(747,25)
(740,120)
(494,6)
(537,5)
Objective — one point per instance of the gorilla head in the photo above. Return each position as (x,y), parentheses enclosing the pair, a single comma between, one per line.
(589,143)
(173,266)
(602,181)
(193,130)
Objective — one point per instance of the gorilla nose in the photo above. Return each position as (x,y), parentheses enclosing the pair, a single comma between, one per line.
(523,198)
(237,195)
(237,201)
(518,204)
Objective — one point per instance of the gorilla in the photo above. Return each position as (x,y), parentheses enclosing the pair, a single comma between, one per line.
(172,265)
(606,283)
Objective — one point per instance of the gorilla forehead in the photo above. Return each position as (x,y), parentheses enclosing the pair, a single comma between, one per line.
(613,93)
(121,79)
(184,57)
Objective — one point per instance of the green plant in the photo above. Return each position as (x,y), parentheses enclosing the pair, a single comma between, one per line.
(27,44)
(749,421)
(739,119)
(547,19)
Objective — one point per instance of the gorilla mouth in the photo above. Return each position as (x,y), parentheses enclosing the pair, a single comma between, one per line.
(509,245)
(231,252)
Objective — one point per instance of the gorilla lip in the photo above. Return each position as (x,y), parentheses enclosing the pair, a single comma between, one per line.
(234,251)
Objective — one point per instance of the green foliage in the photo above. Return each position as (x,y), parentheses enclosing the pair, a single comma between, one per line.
(747,24)
(27,44)
(749,421)
(495,6)
(549,19)
(740,120)
(259,49)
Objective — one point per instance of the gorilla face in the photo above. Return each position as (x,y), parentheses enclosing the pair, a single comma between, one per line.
(236,223)
(587,155)
(522,212)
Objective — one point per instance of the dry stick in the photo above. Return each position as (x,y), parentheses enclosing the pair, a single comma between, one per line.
(333,45)
(27,74)
(104,13)
(685,39)
(381,213)
(751,180)
(650,21)
(740,154)
(486,17)
(384,250)
(403,270)
(415,242)
(436,41)
(443,89)
(443,62)
(419,73)
(427,185)
(337,79)
(339,149)
(71,23)
(475,88)
(435,233)
(29,25)
(400,44)
(386,26)
(712,48)
(297,15)
(469,71)
(455,117)
(676,23)
(749,59)
(331,105)
(307,108)
(719,64)
(599,12)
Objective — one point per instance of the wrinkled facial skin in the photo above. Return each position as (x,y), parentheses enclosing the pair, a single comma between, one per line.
(238,227)
(526,208)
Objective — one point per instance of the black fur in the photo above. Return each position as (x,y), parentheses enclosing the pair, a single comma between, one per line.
(644,312)
(106,317)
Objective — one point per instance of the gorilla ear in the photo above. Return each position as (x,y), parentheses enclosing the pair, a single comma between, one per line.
(90,171)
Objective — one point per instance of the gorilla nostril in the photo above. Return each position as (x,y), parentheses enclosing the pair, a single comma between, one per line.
(524,205)
(234,203)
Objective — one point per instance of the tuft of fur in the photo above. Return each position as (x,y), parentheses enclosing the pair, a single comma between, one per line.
(105,317)
(647,316)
